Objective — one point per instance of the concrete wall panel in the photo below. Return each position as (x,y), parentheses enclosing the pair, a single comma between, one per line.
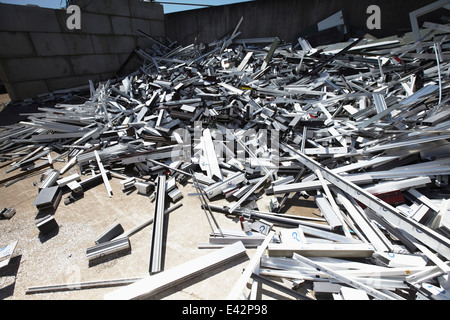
(93,23)
(113,44)
(83,65)
(25,69)
(16,44)
(286,18)
(25,19)
(38,53)
(158,28)
(141,24)
(146,10)
(106,7)
(28,89)
(121,25)
(71,82)
(61,44)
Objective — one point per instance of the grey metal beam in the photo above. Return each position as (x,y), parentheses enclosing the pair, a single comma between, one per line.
(351,282)
(158,227)
(151,285)
(427,236)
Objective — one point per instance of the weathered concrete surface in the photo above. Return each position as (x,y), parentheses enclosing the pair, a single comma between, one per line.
(39,54)
(287,18)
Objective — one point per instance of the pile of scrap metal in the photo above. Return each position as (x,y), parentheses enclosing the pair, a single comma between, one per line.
(361,127)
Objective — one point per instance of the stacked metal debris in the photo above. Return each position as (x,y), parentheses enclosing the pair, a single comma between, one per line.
(361,127)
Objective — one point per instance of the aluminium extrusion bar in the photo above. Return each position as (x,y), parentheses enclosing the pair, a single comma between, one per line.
(314,185)
(169,167)
(313,229)
(205,206)
(279,287)
(107,248)
(81,286)
(158,227)
(254,263)
(39,167)
(403,184)
(274,217)
(328,212)
(413,15)
(423,199)
(151,285)
(213,165)
(335,211)
(426,274)
(406,143)
(250,192)
(138,228)
(104,175)
(371,231)
(216,189)
(427,236)
(351,282)
(337,250)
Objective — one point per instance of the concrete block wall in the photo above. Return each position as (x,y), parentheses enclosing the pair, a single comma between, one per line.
(287,18)
(39,54)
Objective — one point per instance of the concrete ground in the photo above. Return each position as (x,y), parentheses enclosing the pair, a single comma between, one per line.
(60,258)
(4,100)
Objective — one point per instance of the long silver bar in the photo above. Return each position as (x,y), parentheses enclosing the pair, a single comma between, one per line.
(422,233)
(351,282)
(151,285)
(158,227)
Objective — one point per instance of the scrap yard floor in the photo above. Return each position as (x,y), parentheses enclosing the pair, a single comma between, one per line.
(60,257)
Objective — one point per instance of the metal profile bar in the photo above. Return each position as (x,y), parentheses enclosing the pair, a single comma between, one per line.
(423,199)
(333,211)
(276,218)
(254,263)
(205,206)
(373,234)
(271,52)
(81,286)
(148,222)
(419,12)
(351,282)
(422,233)
(113,232)
(107,248)
(333,250)
(406,143)
(343,51)
(103,173)
(245,61)
(217,188)
(151,285)
(380,115)
(250,192)
(380,102)
(328,212)
(314,185)
(210,153)
(277,286)
(158,227)
(50,180)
